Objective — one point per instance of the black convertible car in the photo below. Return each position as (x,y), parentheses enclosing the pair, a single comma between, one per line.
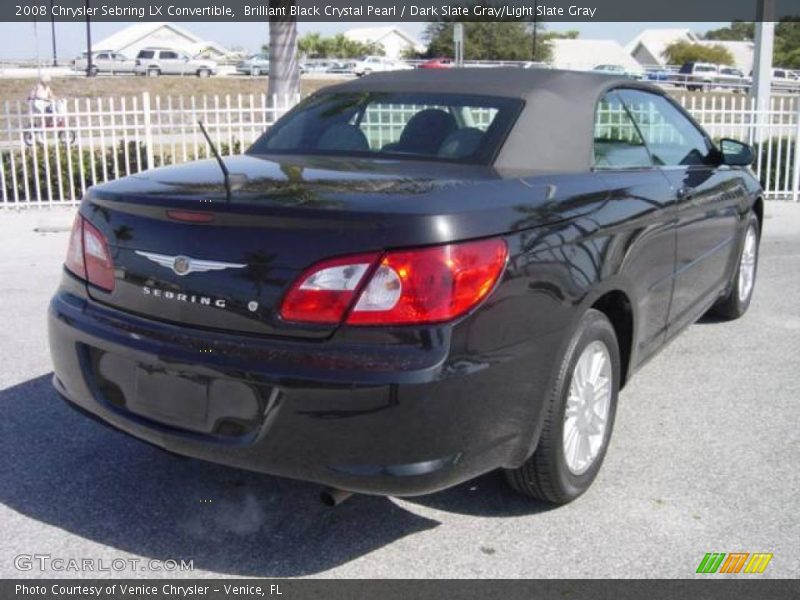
(411,279)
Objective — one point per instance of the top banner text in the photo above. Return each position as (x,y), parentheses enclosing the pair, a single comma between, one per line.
(396,11)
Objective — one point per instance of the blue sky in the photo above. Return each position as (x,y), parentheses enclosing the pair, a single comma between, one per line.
(18,40)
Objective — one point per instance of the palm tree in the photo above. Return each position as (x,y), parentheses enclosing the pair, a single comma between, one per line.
(284,70)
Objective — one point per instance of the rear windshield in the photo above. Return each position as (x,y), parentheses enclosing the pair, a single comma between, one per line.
(449,127)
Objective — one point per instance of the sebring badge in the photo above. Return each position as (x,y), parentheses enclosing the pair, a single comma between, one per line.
(183,265)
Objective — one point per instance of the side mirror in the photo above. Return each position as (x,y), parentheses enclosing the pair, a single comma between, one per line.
(735,153)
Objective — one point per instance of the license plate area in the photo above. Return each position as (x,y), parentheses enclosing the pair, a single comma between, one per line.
(171,398)
(192,398)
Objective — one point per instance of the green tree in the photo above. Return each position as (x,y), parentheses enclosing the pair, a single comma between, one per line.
(490,40)
(738,31)
(787,43)
(314,45)
(680,52)
(787,39)
(572,34)
(310,44)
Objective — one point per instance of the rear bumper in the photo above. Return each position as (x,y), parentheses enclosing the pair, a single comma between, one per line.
(409,416)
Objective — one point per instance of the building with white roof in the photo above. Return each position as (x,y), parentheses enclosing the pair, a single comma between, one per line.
(648,47)
(394,40)
(585,55)
(130,40)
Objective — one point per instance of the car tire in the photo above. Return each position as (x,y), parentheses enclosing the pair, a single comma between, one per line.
(153,72)
(549,474)
(255,72)
(203,73)
(737,301)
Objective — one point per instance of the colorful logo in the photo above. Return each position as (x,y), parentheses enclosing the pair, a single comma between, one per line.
(734,562)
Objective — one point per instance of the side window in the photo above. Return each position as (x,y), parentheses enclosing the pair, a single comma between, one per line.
(169,55)
(672,138)
(617,142)
(102,56)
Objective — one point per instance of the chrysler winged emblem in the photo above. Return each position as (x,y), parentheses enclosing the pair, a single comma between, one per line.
(183,265)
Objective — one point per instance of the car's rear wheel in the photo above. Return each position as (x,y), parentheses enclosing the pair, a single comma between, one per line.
(203,73)
(255,72)
(153,72)
(581,408)
(737,301)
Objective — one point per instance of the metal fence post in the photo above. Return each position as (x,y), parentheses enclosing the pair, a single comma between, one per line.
(796,166)
(148,130)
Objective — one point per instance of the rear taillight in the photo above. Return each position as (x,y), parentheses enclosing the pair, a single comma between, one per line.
(74,260)
(427,285)
(325,291)
(88,255)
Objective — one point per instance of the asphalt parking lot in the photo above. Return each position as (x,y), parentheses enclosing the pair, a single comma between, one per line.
(704,458)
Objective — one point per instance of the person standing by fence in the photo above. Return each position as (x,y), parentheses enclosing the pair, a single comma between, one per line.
(42,99)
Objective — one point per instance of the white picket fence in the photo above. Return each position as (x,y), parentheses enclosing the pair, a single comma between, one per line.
(53,159)
(47,160)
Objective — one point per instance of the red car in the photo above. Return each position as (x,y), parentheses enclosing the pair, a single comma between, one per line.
(437,63)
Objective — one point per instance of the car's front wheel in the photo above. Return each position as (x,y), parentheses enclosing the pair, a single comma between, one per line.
(581,407)
(737,301)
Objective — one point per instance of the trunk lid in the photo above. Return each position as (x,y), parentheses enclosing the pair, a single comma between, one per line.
(231,271)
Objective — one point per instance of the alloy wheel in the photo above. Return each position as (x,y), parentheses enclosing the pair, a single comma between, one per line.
(587,409)
(747,264)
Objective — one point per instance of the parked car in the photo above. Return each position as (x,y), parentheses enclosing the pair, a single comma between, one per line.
(105,61)
(319,65)
(163,61)
(733,79)
(660,74)
(785,80)
(698,76)
(618,70)
(341,67)
(397,309)
(255,65)
(535,64)
(437,63)
(377,64)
